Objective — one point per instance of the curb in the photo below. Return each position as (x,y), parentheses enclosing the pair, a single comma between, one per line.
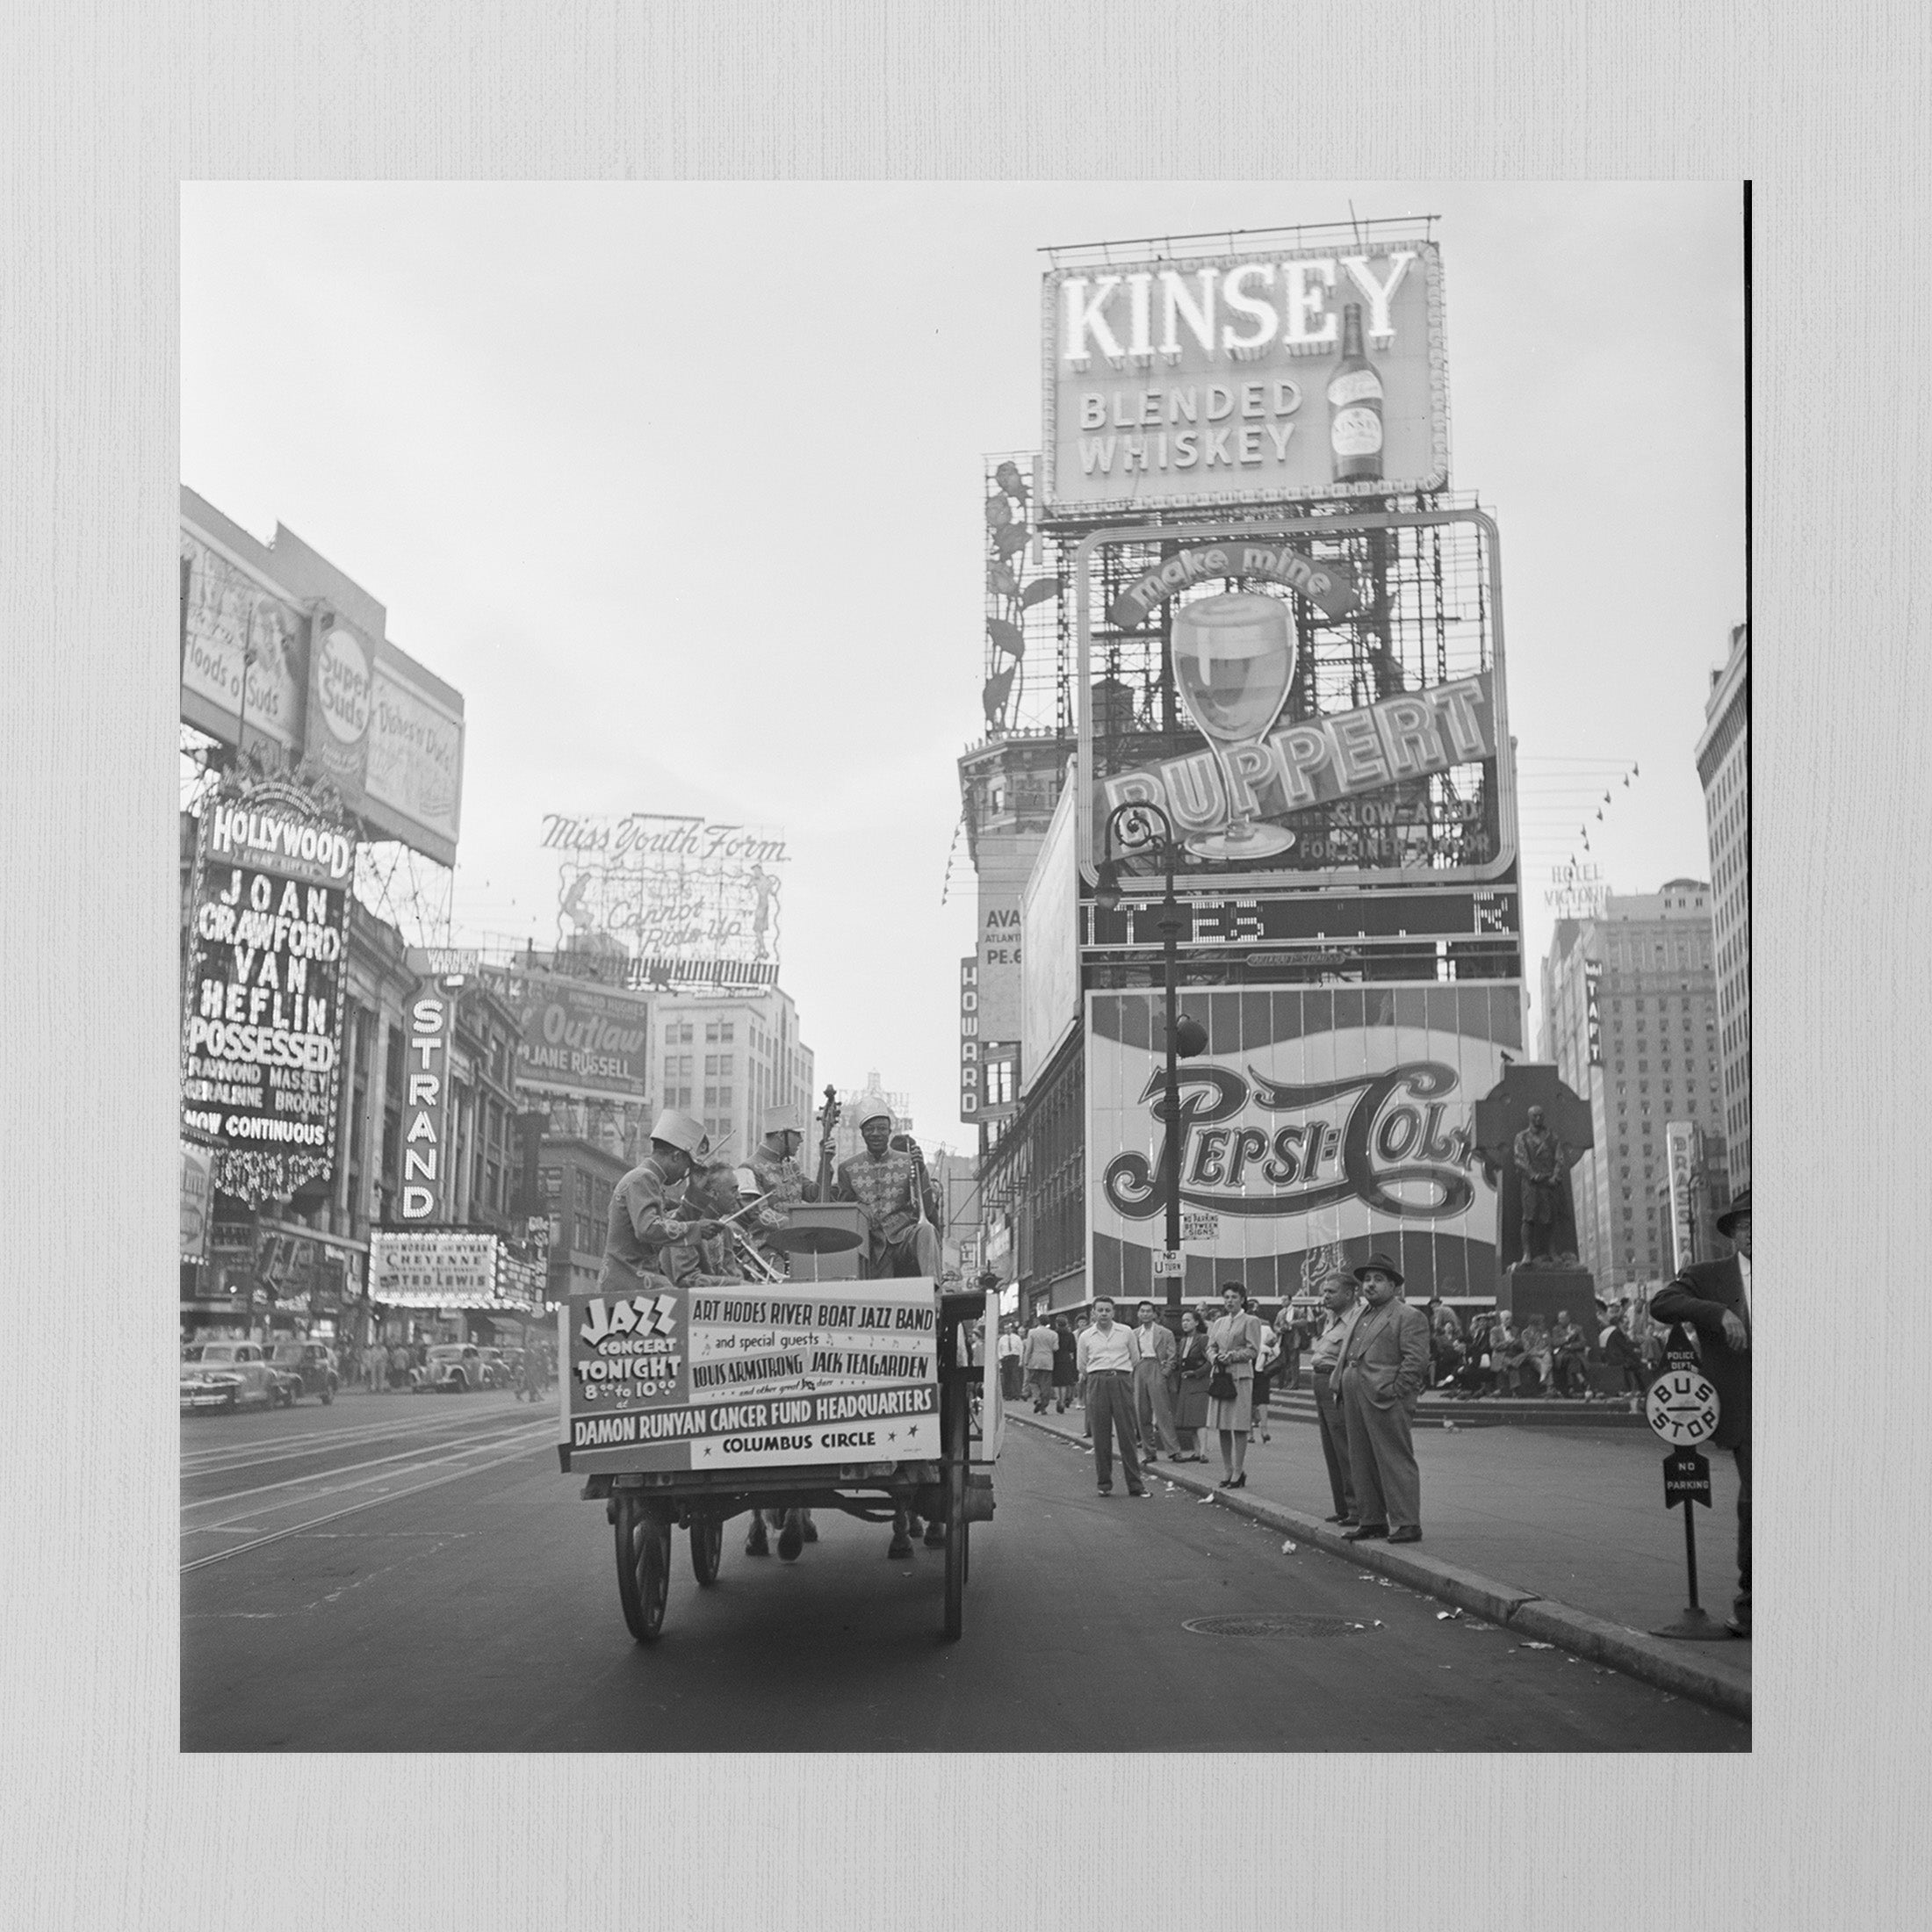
(1542,1617)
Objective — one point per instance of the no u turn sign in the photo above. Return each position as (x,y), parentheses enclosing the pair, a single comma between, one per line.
(1682,1407)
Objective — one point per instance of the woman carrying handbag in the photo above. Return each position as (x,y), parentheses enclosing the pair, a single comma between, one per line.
(1189,1376)
(1234,1341)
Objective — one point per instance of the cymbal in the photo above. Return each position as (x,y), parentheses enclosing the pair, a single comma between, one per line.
(814,1240)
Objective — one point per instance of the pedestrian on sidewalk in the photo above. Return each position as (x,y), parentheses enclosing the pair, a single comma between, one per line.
(1011,1349)
(1344,1303)
(1152,1410)
(1108,1359)
(1066,1371)
(1234,1341)
(1714,1297)
(376,1368)
(1039,1363)
(1190,1372)
(1265,1362)
(1384,1369)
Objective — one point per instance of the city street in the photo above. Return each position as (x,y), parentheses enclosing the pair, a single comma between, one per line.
(397,1573)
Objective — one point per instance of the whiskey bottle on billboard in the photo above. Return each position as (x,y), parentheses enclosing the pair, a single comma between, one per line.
(1355,406)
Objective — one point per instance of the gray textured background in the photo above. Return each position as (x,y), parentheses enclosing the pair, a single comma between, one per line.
(104,108)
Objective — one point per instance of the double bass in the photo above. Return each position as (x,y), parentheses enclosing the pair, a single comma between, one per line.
(823,1226)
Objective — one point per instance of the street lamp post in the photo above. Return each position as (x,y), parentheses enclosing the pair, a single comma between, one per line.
(1139,826)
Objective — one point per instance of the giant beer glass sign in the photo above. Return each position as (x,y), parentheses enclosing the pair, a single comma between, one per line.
(1326,693)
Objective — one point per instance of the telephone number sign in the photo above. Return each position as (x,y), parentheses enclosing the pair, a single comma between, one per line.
(1305,917)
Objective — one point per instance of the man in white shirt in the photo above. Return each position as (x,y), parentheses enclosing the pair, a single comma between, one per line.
(1109,1356)
(1344,1304)
(1010,1348)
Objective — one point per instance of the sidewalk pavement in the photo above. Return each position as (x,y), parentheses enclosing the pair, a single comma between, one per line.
(1573,1518)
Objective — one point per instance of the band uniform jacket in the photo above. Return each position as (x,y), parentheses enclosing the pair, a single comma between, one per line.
(1700,1297)
(647,1222)
(1390,1346)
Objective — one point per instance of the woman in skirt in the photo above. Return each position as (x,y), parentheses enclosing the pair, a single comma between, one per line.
(1234,1340)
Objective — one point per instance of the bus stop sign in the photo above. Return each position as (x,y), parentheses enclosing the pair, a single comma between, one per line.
(1682,1408)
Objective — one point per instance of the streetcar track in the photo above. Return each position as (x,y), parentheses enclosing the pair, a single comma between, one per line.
(343,1469)
(353,1508)
(323,1484)
(210,1458)
(307,1448)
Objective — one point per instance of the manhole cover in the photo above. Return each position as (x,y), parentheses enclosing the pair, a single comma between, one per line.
(1268,1627)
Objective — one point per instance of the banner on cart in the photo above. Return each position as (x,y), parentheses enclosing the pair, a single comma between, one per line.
(750,1374)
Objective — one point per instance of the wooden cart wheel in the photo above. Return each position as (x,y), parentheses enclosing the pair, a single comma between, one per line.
(644,1570)
(707,1545)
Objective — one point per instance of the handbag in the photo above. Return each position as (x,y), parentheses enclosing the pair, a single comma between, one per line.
(1221,1387)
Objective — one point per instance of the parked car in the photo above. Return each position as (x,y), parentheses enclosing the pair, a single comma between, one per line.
(234,1375)
(511,1367)
(499,1368)
(312,1366)
(452,1367)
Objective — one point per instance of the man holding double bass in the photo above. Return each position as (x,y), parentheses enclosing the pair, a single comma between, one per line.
(891,1185)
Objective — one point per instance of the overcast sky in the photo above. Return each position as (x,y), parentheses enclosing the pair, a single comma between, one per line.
(679,485)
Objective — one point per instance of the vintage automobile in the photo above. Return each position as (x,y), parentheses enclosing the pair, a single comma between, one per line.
(453,1368)
(312,1366)
(234,1375)
(499,1368)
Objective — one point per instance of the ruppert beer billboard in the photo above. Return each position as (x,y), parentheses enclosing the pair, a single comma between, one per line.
(1344,675)
(1320,1121)
(1261,377)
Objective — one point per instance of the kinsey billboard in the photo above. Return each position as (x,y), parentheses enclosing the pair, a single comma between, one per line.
(1319,1121)
(1248,377)
(740,1374)
(263,1008)
(577,1038)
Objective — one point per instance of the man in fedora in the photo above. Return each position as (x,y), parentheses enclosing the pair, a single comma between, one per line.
(1383,1369)
(1714,1299)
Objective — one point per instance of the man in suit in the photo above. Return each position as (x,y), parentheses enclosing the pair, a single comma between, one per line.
(1152,1408)
(1714,1299)
(1383,1370)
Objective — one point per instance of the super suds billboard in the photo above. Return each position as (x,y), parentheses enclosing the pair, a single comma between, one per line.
(1320,1123)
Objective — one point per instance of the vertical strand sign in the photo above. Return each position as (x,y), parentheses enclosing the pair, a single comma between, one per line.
(263,1003)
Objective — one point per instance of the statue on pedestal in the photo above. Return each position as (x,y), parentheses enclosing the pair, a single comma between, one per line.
(1531,1129)
(1542,1164)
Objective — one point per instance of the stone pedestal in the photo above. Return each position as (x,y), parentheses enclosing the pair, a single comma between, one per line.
(1537,1295)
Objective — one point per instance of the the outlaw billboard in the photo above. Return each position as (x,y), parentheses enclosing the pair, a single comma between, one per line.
(263,1021)
(1323,698)
(1320,1123)
(1246,377)
(589,1041)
